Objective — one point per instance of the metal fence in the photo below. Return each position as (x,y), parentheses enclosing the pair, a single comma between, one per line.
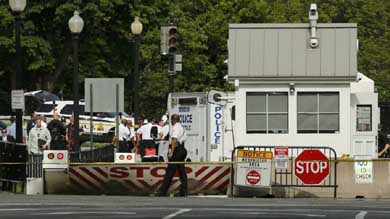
(13,158)
(102,154)
(34,166)
(286,177)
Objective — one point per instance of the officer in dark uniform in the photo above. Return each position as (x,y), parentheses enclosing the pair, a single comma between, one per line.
(384,144)
(177,153)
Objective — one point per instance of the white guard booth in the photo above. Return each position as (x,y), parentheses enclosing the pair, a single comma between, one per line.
(298,85)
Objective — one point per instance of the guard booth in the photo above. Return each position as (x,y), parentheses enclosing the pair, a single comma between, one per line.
(298,84)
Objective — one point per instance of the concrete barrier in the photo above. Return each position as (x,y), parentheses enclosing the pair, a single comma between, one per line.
(347,185)
(135,179)
(145,179)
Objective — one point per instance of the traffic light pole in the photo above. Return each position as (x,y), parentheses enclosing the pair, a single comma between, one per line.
(171,71)
(19,80)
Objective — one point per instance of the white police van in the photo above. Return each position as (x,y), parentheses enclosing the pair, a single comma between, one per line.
(208,124)
(103,122)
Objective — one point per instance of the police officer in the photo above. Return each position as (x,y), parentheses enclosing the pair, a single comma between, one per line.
(177,153)
(124,134)
(58,133)
(384,144)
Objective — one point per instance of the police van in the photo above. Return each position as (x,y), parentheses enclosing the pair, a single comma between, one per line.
(208,123)
(103,122)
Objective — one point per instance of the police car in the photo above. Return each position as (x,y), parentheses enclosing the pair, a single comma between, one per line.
(103,122)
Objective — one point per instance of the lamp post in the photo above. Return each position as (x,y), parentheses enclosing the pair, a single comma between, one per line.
(136,29)
(17,7)
(76,25)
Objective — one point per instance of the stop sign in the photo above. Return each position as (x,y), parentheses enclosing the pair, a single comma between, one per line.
(311,166)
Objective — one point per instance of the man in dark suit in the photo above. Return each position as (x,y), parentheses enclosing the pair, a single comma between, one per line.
(5,137)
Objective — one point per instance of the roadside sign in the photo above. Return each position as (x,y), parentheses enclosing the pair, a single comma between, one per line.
(281,158)
(253,168)
(311,167)
(17,99)
(363,172)
(111,90)
(253,177)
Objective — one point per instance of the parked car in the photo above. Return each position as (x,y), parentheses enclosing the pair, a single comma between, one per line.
(103,122)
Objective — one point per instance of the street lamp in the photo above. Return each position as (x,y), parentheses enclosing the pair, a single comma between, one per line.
(136,29)
(76,25)
(17,7)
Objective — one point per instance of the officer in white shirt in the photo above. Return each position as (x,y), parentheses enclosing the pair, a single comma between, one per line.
(124,134)
(165,127)
(177,153)
(131,140)
(144,138)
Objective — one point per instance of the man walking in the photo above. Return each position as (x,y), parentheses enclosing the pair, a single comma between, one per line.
(177,153)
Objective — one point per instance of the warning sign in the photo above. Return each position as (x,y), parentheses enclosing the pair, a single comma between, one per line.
(254,154)
(363,172)
(253,168)
(253,177)
(281,158)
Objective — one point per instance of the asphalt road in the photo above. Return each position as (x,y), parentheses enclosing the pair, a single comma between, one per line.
(56,206)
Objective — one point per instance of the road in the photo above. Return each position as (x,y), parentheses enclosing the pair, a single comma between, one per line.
(49,206)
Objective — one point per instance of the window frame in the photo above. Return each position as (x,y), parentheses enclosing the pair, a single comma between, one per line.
(318,113)
(357,118)
(267,113)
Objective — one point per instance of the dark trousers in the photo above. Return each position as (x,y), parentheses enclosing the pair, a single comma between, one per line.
(58,145)
(144,144)
(179,154)
(122,147)
(130,147)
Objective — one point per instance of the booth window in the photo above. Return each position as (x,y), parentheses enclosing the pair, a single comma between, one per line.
(267,112)
(363,118)
(318,112)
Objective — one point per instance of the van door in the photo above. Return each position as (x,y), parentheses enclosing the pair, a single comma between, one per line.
(193,118)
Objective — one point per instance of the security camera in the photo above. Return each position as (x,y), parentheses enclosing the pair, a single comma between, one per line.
(313,43)
(313,14)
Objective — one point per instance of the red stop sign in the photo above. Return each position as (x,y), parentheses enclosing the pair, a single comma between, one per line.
(253,177)
(311,166)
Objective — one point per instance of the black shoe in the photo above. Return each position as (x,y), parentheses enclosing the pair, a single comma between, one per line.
(181,194)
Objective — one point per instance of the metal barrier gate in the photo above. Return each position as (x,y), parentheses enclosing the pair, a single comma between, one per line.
(12,165)
(286,178)
(34,166)
(102,154)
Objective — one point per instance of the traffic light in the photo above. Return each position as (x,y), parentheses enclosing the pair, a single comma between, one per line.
(172,39)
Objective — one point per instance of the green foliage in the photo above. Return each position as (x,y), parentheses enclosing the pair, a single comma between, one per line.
(107,45)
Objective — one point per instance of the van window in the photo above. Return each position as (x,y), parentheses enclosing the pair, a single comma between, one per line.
(188,101)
